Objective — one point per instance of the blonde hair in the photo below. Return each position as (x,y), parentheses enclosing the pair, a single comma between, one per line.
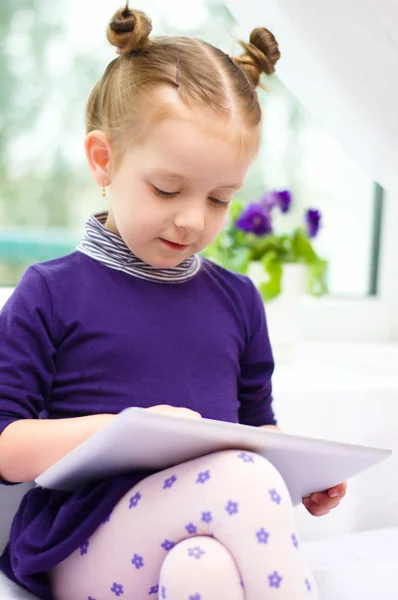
(205,77)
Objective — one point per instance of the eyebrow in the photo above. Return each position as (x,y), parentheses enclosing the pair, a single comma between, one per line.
(173,175)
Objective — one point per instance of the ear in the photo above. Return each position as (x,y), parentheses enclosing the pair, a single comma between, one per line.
(98,151)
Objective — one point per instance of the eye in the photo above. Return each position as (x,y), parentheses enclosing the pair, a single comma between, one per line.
(163,194)
(219,203)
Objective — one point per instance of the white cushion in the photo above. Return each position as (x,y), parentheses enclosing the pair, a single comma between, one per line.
(361,565)
(10,591)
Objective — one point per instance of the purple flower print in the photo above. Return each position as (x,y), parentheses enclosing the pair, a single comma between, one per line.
(134,500)
(255,219)
(206,517)
(203,477)
(167,545)
(117,589)
(163,592)
(307,583)
(232,508)
(295,540)
(313,222)
(275,497)
(195,597)
(196,552)
(275,580)
(107,519)
(154,590)
(169,482)
(191,528)
(84,548)
(262,536)
(247,458)
(90,598)
(137,561)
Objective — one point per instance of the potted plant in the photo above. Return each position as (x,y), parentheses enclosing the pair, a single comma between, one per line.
(282,265)
(250,238)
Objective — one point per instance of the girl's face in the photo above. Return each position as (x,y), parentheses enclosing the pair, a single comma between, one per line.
(170,196)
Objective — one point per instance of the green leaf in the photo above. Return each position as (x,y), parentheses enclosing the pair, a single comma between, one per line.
(302,248)
(317,271)
(237,207)
(273,267)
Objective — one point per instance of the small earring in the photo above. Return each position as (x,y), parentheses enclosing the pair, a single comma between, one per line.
(103,191)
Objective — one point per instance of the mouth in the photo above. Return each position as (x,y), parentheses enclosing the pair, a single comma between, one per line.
(173,245)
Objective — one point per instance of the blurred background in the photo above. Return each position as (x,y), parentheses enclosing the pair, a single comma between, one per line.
(52,55)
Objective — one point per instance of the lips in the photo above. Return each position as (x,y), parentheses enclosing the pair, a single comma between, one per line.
(173,245)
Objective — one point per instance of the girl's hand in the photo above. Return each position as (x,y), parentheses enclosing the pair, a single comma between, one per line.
(173,410)
(321,503)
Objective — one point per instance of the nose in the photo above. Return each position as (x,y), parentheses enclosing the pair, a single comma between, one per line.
(190,217)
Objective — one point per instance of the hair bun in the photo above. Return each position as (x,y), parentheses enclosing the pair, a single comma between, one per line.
(261,54)
(129,30)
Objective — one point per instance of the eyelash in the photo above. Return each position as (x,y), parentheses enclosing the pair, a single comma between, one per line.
(214,201)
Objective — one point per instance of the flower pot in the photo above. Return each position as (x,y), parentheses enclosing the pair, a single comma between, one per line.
(283,313)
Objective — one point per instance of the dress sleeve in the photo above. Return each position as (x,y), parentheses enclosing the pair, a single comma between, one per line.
(27,350)
(256,368)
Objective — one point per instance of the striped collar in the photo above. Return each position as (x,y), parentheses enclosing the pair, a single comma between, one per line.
(109,249)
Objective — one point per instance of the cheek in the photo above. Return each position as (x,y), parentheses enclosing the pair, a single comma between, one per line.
(219,220)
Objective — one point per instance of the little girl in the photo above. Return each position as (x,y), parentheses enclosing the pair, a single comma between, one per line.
(135,317)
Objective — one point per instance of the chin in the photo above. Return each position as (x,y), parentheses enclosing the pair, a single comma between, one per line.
(165,264)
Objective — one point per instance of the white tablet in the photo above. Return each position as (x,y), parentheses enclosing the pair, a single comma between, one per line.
(138,439)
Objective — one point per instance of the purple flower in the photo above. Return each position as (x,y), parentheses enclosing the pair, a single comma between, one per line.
(275,580)
(247,458)
(154,590)
(84,547)
(117,589)
(191,528)
(313,222)
(232,508)
(255,219)
(203,477)
(135,499)
(169,482)
(138,561)
(295,540)
(262,536)
(207,517)
(275,497)
(282,199)
(196,552)
(167,545)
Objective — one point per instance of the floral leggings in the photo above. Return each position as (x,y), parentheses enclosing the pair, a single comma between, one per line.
(217,527)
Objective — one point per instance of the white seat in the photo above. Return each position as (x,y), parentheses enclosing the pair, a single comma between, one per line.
(361,565)
(10,498)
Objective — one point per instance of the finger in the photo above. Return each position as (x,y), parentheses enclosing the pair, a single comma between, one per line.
(323,501)
(314,509)
(338,490)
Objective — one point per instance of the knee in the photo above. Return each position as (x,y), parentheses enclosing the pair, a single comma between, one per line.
(235,461)
(248,470)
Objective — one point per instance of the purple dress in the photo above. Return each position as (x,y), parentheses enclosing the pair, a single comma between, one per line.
(98,331)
